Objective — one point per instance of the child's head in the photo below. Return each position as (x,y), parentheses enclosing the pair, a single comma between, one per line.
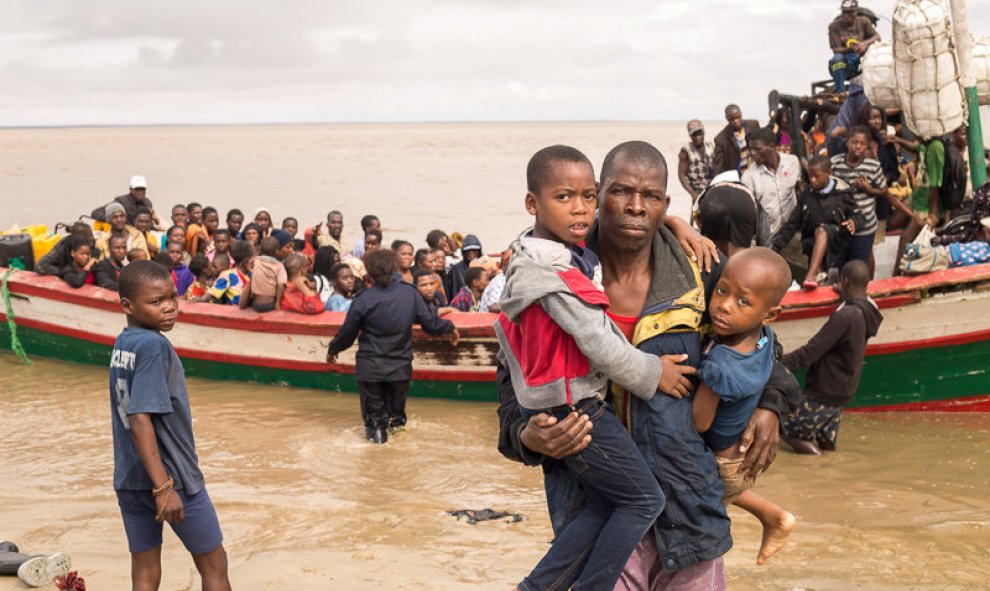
(118,248)
(284,241)
(747,295)
(372,240)
(174,250)
(263,218)
(211,220)
(148,296)
(252,233)
(142,219)
(242,252)
(136,254)
(853,279)
(342,278)
(221,262)
(81,229)
(369,222)
(561,194)
(425,283)
(439,259)
(164,260)
(295,265)
(404,254)
(235,219)
(80,249)
(819,172)
(201,268)
(477,279)
(291,225)
(176,234)
(439,239)
(180,216)
(269,246)
(221,241)
(195,211)
(380,265)
(423,259)
(858,140)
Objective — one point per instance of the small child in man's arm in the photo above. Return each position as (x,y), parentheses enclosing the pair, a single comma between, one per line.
(156,470)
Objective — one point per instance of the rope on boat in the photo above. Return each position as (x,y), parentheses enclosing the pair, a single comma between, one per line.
(15,343)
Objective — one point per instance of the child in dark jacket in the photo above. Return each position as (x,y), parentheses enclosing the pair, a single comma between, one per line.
(383,315)
(826,217)
(834,359)
(79,271)
(108,270)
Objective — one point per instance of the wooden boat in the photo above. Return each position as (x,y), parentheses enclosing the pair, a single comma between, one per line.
(932,353)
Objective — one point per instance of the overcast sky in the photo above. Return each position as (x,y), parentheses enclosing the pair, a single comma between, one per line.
(72,62)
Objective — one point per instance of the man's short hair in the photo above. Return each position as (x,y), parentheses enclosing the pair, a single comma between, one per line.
(192,205)
(640,153)
(139,273)
(234,212)
(374,232)
(336,269)
(367,220)
(115,238)
(730,107)
(269,246)
(857,273)
(421,272)
(242,251)
(541,164)
(220,231)
(76,241)
(178,206)
(473,274)
(142,211)
(334,212)
(820,162)
(208,210)
(764,135)
(859,130)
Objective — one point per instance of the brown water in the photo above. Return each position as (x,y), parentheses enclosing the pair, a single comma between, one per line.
(306,504)
(456,176)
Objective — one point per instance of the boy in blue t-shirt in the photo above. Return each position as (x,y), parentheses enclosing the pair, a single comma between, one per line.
(156,472)
(734,369)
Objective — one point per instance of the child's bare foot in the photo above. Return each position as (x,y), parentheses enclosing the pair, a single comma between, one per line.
(775,535)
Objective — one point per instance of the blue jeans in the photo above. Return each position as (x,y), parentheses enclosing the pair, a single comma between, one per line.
(843,66)
(622,501)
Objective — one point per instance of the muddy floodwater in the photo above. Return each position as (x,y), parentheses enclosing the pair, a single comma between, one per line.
(306,504)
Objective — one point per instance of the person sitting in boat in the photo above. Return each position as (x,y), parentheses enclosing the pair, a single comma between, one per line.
(181,274)
(235,221)
(263,218)
(202,270)
(491,298)
(456,280)
(368,222)
(468,298)
(332,234)
(180,215)
(136,196)
(268,278)
(229,285)
(136,254)
(826,217)
(220,263)
(195,211)
(221,244)
(342,279)
(849,36)
(117,218)
(59,256)
(144,223)
(404,259)
(199,236)
(79,271)
(300,294)
(178,234)
(696,161)
(834,360)
(426,285)
(108,270)
(252,233)
(324,259)
(383,316)
(440,270)
(291,225)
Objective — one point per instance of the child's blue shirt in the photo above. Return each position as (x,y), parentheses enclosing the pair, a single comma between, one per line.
(146,377)
(738,379)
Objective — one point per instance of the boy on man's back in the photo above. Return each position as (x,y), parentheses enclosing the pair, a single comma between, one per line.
(156,471)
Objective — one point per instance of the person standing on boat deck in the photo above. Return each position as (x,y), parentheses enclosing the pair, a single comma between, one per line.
(773,179)
(333,233)
(135,197)
(834,360)
(657,298)
(849,36)
(696,161)
(731,146)
(383,315)
(865,176)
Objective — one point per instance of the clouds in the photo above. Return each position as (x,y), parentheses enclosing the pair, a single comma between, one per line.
(111,61)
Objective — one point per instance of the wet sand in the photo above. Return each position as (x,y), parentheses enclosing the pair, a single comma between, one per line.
(306,504)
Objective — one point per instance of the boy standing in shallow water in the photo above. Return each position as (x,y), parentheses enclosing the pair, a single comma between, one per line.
(735,367)
(561,349)
(156,470)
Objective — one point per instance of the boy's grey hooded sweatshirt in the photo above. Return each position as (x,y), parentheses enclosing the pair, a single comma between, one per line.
(555,337)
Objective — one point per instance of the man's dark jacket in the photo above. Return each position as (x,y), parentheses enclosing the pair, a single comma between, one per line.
(727,153)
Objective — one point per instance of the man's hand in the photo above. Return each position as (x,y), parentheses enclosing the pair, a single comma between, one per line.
(331,358)
(759,442)
(697,247)
(455,338)
(932,220)
(171,510)
(673,376)
(545,435)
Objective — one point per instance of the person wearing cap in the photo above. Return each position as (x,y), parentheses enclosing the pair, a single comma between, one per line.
(470,250)
(849,36)
(116,216)
(136,197)
(696,161)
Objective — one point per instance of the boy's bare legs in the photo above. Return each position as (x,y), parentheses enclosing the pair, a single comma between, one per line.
(146,570)
(212,568)
(817,256)
(777,523)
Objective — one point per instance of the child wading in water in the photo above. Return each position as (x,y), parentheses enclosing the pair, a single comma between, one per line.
(734,370)
(561,349)
(156,471)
